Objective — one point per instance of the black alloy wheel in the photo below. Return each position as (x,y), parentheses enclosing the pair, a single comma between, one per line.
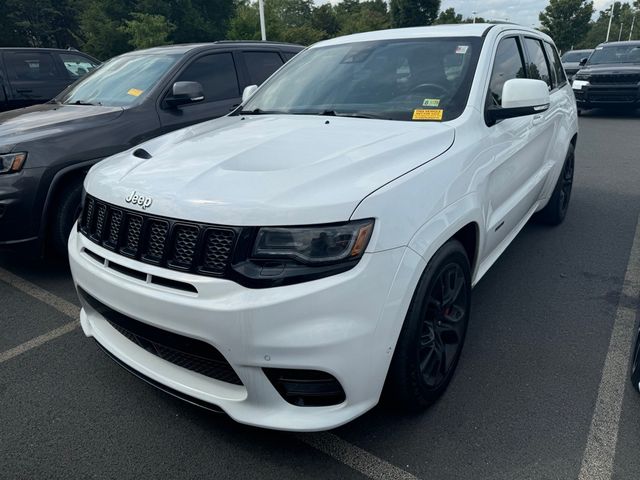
(444,325)
(433,333)
(556,209)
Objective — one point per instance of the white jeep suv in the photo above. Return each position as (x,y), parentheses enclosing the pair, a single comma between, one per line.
(285,263)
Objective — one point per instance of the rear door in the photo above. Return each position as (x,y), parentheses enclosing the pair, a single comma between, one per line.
(260,65)
(34,77)
(217,73)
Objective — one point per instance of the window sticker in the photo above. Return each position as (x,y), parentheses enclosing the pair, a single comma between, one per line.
(422,114)
(135,92)
(462,49)
(431,102)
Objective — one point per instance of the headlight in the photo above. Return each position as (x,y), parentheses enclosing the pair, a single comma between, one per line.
(578,84)
(314,245)
(12,162)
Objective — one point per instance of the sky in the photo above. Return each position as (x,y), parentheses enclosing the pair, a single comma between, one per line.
(524,12)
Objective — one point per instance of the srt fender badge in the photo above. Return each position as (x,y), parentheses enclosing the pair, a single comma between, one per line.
(138,199)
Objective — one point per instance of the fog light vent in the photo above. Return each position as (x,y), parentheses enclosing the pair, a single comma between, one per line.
(306,388)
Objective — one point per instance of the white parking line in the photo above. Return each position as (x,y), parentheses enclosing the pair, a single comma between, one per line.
(63,306)
(328,443)
(36,342)
(600,451)
(354,457)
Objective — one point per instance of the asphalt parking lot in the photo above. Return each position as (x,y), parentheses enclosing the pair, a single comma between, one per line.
(529,400)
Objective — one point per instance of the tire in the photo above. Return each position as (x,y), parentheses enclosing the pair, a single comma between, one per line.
(555,211)
(62,220)
(635,364)
(430,341)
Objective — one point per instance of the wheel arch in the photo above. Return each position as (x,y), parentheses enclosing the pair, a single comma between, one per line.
(61,180)
(461,221)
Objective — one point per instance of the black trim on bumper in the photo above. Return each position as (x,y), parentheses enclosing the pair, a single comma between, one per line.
(194,401)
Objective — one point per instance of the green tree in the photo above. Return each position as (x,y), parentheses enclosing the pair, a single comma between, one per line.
(623,14)
(363,17)
(100,23)
(413,13)
(449,16)
(39,23)
(146,30)
(324,19)
(286,21)
(566,21)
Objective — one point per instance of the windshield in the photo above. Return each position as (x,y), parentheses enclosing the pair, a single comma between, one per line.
(615,54)
(575,56)
(409,79)
(120,82)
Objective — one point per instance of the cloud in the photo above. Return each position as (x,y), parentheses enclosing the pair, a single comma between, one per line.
(524,12)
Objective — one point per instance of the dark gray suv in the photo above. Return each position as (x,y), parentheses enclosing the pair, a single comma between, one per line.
(46,150)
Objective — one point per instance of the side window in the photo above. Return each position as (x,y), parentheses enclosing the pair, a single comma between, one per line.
(556,64)
(508,65)
(261,65)
(288,55)
(76,65)
(217,75)
(28,66)
(538,67)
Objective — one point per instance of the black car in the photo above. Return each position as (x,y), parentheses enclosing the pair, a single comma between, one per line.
(610,77)
(29,76)
(46,150)
(572,60)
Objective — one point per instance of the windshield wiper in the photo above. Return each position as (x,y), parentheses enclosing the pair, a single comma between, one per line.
(257,111)
(333,113)
(83,102)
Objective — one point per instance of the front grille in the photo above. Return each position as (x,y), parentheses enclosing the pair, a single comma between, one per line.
(185,352)
(175,244)
(623,78)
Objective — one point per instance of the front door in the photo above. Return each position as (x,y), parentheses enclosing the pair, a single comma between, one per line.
(217,74)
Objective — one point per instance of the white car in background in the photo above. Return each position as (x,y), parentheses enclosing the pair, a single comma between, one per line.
(286,262)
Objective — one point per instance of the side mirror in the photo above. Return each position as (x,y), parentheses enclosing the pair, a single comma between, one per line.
(583,61)
(520,97)
(247,92)
(184,93)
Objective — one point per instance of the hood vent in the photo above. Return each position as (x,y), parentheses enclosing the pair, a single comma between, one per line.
(141,153)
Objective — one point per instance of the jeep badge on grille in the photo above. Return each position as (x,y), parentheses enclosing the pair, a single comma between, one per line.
(138,199)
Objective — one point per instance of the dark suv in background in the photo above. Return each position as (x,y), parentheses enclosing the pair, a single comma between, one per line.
(29,76)
(46,150)
(610,78)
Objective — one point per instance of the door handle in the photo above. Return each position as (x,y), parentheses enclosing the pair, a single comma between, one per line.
(537,119)
(24,90)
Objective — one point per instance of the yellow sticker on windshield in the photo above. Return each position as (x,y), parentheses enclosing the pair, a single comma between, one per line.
(135,92)
(431,102)
(420,114)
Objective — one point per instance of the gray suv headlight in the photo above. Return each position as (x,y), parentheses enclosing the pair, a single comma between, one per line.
(12,162)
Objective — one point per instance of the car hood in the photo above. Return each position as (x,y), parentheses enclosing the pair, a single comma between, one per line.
(269,170)
(610,69)
(40,121)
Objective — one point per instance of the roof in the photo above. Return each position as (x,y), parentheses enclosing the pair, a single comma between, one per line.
(631,43)
(187,47)
(455,30)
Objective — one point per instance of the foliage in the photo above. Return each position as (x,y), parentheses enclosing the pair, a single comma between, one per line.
(449,16)
(105,28)
(566,21)
(146,30)
(623,14)
(413,13)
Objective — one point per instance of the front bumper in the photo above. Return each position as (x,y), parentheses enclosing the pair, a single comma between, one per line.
(602,95)
(17,206)
(346,325)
